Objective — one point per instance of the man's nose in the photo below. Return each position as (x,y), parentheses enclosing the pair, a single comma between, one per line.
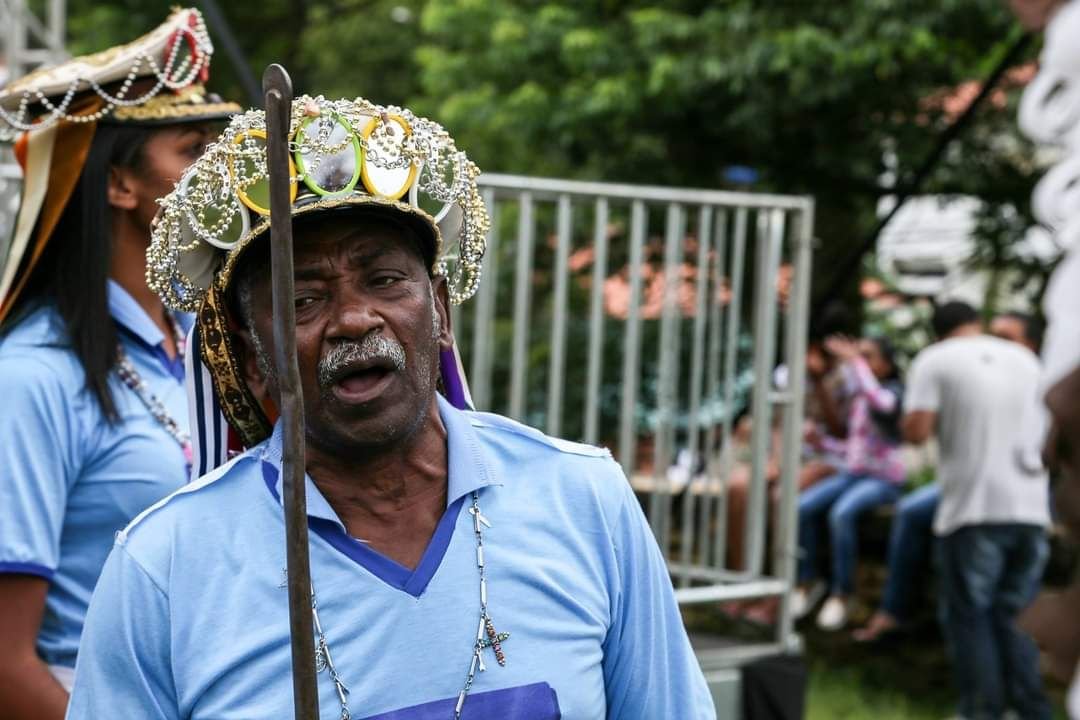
(353,317)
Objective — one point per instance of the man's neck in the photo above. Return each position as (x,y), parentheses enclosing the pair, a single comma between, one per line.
(393,498)
(969,330)
(128,269)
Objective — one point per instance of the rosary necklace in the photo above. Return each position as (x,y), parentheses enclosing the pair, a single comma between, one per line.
(131,378)
(486,635)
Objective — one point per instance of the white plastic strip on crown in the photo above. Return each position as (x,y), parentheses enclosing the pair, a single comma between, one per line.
(39,154)
(209,430)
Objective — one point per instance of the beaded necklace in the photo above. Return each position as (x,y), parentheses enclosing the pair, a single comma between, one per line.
(125,369)
(486,635)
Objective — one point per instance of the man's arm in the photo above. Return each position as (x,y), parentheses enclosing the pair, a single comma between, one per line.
(124,668)
(28,691)
(918,426)
(922,400)
(650,670)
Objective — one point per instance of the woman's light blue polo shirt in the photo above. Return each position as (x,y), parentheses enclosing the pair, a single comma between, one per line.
(69,480)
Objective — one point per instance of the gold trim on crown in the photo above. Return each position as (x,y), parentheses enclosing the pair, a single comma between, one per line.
(188,103)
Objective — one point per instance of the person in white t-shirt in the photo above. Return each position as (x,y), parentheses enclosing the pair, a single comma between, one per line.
(974,392)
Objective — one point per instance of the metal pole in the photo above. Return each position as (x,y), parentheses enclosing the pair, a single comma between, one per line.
(522,299)
(847,266)
(697,370)
(216,19)
(483,334)
(596,322)
(277,89)
(557,362)
(639,221)
(786,549)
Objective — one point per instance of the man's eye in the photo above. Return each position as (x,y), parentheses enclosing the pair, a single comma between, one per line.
(303,301)
(384,281)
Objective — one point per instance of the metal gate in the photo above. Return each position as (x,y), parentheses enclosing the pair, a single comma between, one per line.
(646,319)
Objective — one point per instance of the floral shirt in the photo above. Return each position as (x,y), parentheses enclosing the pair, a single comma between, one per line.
(867,450)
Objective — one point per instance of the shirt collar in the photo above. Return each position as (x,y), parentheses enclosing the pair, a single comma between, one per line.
(128,313)
(467,468)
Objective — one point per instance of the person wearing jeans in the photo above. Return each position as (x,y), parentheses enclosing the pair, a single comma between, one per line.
(912,528)
(843,498)
(909,550)
(989,573)
(872,476)
(975,393)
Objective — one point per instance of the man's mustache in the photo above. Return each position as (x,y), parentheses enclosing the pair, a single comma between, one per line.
(372,348)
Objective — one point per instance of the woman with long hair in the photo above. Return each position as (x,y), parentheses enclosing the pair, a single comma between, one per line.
(872,474)
(94,420)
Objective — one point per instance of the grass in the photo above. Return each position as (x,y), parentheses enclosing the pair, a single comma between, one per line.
(908,678)
(839,693)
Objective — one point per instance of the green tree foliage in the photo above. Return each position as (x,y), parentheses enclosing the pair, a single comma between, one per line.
(807,93)
(810,94)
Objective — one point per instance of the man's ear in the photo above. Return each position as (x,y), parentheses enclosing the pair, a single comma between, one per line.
(441,298)
(249,366)
(121,189)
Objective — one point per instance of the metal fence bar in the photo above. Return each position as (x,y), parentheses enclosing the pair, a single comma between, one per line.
(697,369)
(522,298)
(483,338)
(667,396)
(770,236)
(596,321)
(694,538)
(786,548)
(557,363)
(632,345)
(731,348)
(549,188)
(712,388)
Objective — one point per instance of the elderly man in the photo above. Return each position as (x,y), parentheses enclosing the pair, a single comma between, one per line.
(463,565)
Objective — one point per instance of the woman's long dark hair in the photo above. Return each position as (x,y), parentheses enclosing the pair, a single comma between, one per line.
(889,423)
(73,272)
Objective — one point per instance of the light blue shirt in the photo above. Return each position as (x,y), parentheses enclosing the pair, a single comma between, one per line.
(69,480)
(190,619)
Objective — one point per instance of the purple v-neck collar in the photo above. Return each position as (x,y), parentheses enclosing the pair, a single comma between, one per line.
(467,472)
(389,571)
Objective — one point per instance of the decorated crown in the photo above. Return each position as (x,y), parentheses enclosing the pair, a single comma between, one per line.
(130,82)
(344,153)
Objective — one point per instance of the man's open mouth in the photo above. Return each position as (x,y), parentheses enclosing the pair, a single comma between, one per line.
(361,381)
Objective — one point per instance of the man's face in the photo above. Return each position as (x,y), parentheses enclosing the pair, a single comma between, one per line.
(1009,328)
(370,323)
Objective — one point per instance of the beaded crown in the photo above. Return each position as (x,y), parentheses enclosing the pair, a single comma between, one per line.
(343,153)
(155,79)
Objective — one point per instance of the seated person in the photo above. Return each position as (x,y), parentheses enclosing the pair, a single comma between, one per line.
(872,476)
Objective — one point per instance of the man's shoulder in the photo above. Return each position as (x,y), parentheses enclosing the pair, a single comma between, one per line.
(501,429)
(538,468)
(190,506)
(523,452)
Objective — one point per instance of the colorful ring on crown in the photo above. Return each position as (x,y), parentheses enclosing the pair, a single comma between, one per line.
(198,229)
(243,191)
(306,170)
(376,185)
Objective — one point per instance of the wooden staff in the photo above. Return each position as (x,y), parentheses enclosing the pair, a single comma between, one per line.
(278,95)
